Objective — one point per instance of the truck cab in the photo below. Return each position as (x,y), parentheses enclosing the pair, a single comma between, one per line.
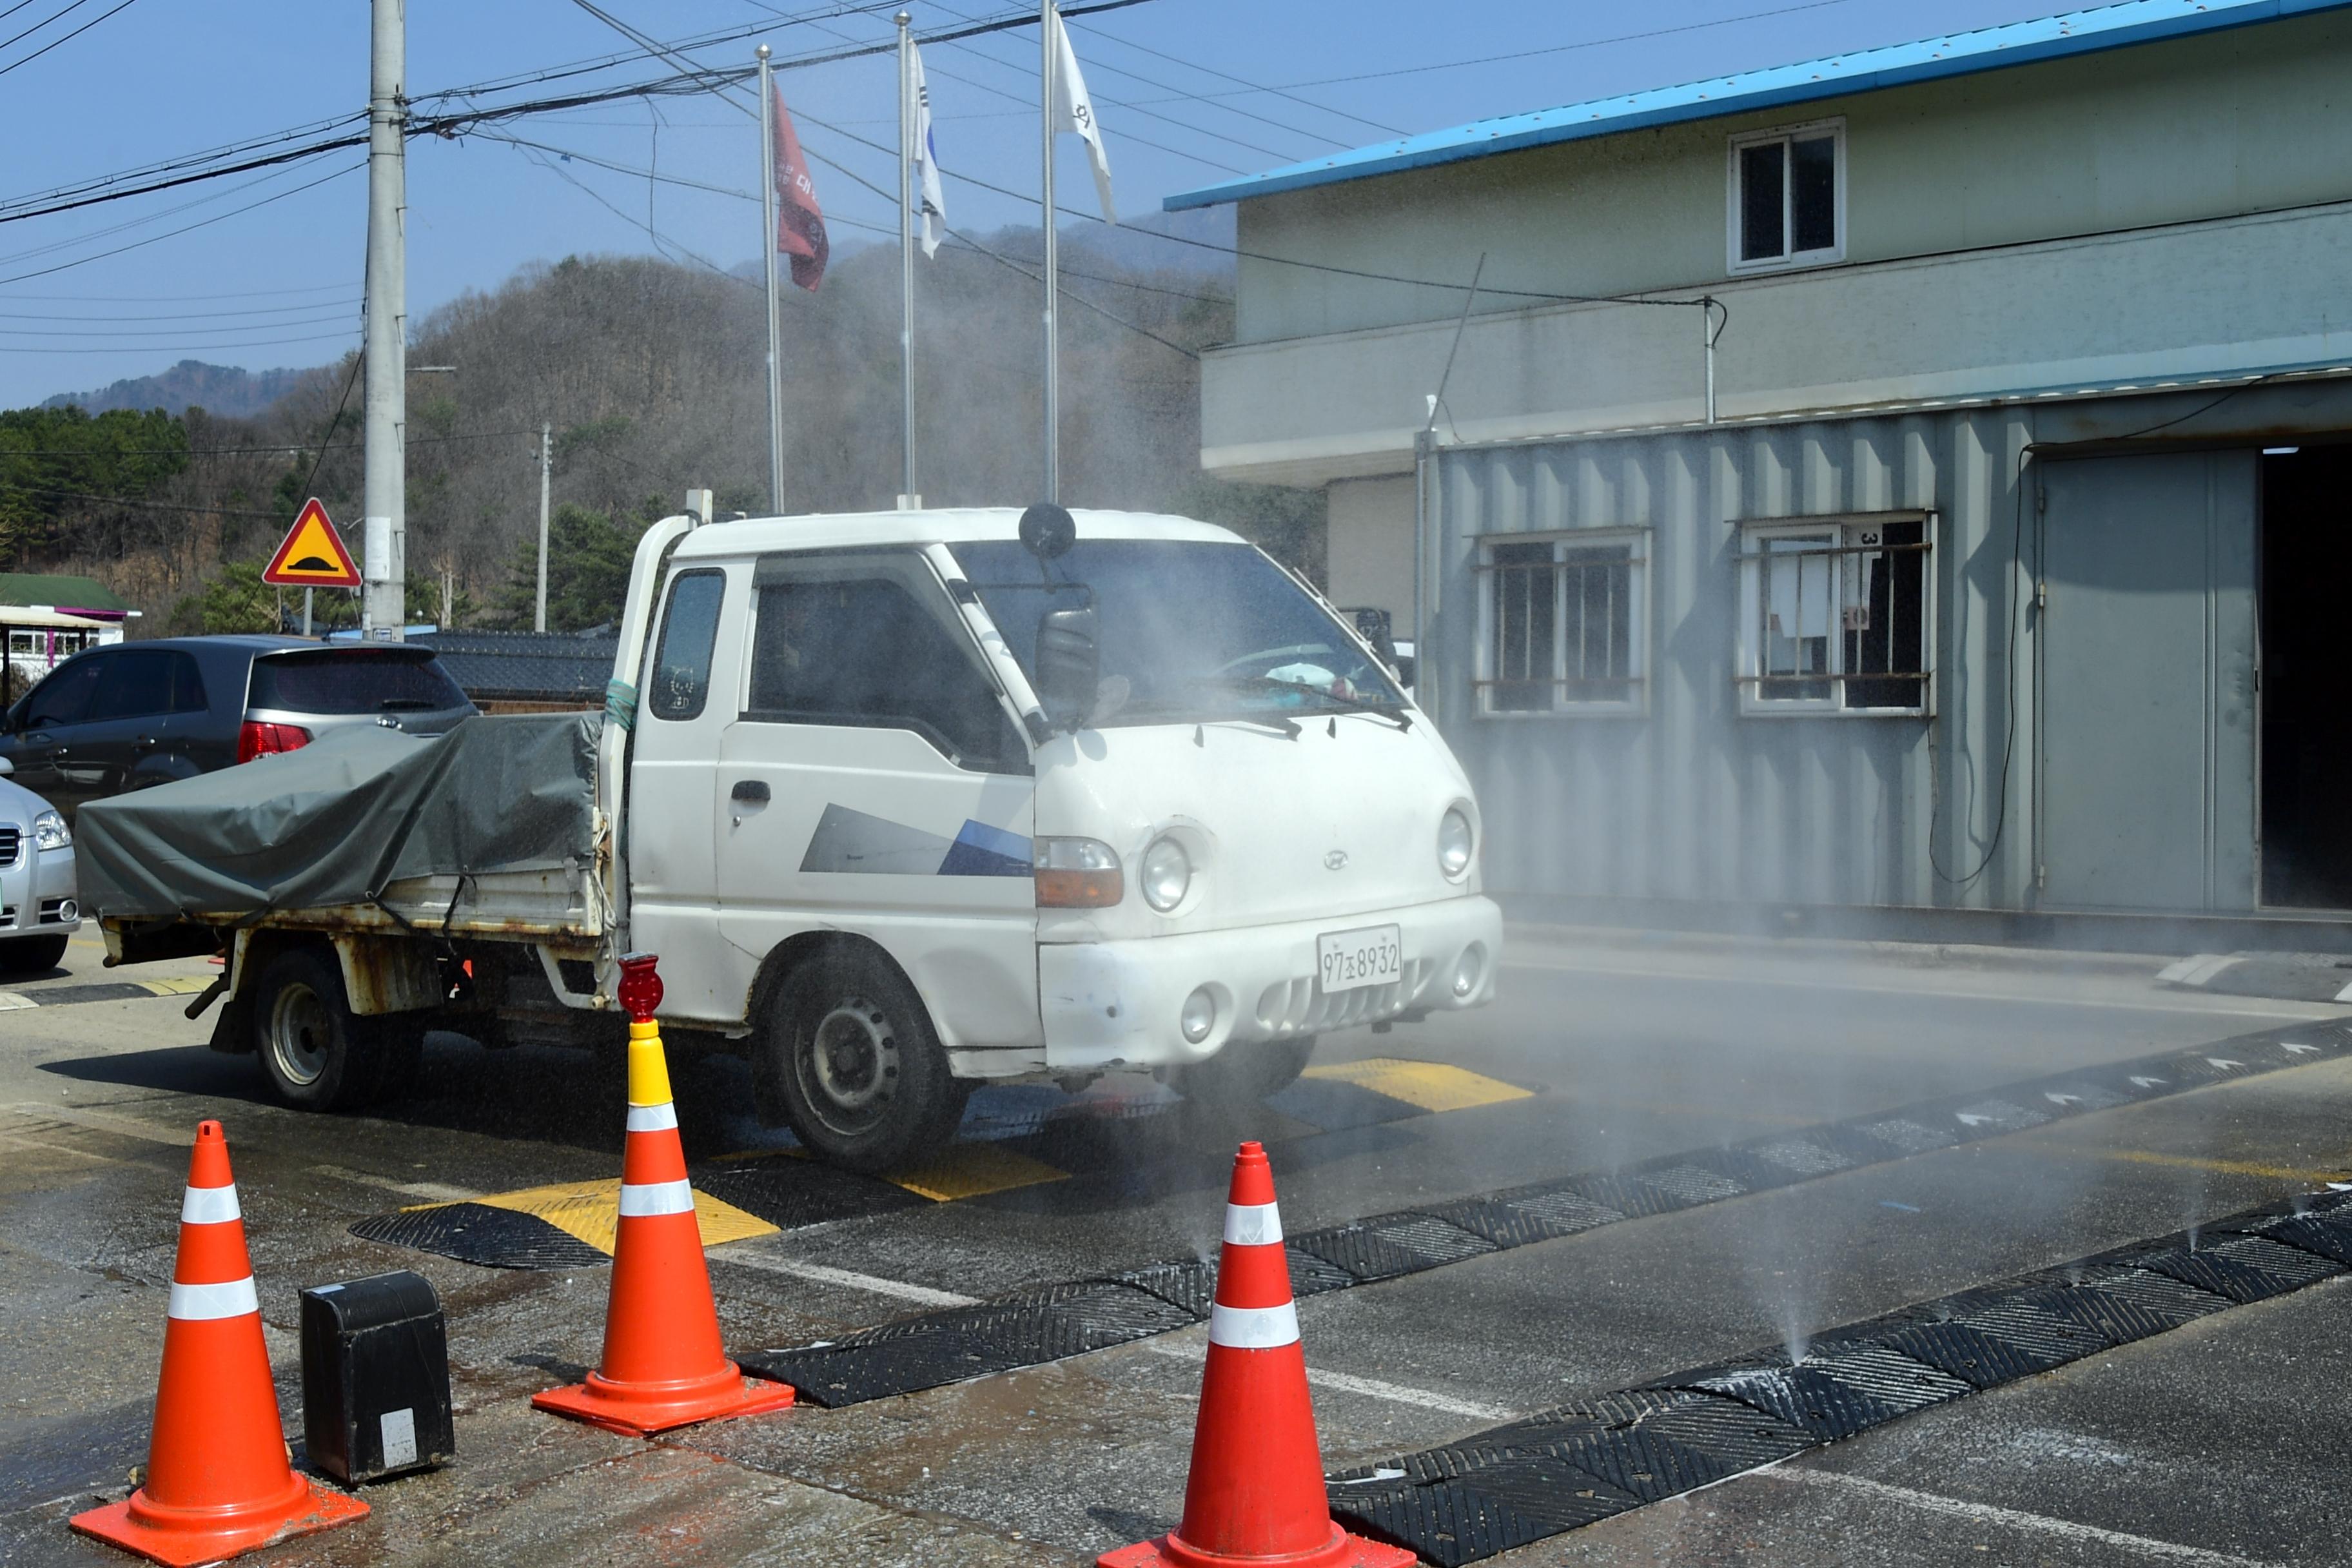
(915,800)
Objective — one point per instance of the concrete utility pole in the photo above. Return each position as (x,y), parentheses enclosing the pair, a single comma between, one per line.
(1048,20)
(546,463)
(384,564)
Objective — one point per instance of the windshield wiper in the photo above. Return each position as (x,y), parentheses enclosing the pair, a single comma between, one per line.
(1370,707)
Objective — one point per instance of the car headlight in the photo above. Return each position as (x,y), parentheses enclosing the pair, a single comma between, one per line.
(50,832)
(1455,842)
(1167,874)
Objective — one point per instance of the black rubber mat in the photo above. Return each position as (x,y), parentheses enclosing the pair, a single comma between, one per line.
(1545,1474)
(477,1233)
(790,1193)
(1389,1246)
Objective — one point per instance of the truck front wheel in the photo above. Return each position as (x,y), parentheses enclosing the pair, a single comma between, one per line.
(850,1050)
(1244,1074)
(315,1052)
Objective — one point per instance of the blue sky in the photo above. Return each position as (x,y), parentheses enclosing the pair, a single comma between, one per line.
(280,284)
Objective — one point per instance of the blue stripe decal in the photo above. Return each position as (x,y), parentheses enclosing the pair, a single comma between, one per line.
(980,850)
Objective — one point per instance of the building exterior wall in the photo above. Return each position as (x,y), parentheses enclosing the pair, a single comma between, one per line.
(1369,546)
(1691,801)
(2246,121)
(2236,296)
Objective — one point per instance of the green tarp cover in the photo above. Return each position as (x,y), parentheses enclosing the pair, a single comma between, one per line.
(338,821)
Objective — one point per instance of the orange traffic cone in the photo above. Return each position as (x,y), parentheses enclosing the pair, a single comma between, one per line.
(1255,1494)
(217,1479)
(663,1363)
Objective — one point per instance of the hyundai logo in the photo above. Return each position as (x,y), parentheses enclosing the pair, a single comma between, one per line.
(1337,860)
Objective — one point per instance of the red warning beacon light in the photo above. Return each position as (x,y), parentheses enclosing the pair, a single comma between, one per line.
(641,988)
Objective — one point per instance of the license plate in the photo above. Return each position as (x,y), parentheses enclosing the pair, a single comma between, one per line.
(1350,960)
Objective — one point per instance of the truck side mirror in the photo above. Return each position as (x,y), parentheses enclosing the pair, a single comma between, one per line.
(1070,664)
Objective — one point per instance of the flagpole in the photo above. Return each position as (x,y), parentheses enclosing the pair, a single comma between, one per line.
(775,319)
(1046,18)
(908,499)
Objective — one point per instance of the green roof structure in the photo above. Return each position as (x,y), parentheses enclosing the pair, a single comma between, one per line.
(61,593)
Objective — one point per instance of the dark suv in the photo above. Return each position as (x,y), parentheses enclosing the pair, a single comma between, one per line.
(135,714)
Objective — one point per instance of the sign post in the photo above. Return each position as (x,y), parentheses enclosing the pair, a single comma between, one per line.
(311,556)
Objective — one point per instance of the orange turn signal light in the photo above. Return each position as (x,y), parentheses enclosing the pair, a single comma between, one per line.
(1077,874)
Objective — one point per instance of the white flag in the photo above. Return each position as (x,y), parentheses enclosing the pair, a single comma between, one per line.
(1073,110)
(929,204)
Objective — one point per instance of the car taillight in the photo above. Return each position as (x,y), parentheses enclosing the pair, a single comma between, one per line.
(259,740)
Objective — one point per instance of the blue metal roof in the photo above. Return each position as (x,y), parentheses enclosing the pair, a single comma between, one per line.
(1956,54)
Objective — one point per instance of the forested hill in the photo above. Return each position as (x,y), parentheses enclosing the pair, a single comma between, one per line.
(651,375)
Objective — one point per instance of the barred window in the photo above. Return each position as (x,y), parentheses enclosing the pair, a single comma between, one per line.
(1838,616)
(1565,622)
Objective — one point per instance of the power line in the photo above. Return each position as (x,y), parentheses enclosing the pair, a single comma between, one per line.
(185,348)
(1254,87)
(201,223)
(146,332)
(77,32)
(146,505)
(177,316)
(173,298)
(1550,49)
(1171,87)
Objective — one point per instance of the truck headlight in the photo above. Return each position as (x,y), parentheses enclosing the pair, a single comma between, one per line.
(1455,842)
(1167,874)
(50,832)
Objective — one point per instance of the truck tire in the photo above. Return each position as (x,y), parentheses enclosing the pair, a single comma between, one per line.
(315,1054)
(32,955)
(851,1053)
(1244,1074)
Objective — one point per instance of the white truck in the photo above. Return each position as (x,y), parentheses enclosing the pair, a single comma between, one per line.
(907,801)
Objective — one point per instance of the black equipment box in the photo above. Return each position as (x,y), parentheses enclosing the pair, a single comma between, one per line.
(375,1377)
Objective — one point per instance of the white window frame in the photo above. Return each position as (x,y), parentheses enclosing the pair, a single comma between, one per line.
(1791,259)
(1844,535)
(1636,704)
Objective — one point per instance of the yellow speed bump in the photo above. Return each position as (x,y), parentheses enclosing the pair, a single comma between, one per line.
(1431,1086)
(590,1212)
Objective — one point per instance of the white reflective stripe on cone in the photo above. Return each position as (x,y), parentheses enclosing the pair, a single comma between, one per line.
(1253,1328)
(232,1298)
(1253,1224)
(209,1205)
(656,1197)
(662,1118)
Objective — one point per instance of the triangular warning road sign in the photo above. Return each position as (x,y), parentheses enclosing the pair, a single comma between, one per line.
(313,555)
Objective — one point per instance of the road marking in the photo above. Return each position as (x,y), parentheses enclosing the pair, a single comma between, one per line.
(971,1170)
(431,1192)
(1372,1388)
(2219,1167)
(800,1268)
(590,1212)
(10,1001)
(1431,1086)
(2196,968)
(2012,1519)
(2311,1012)
(19,1139)
(129,1127)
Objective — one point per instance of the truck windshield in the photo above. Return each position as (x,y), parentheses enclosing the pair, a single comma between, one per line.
(1191,629)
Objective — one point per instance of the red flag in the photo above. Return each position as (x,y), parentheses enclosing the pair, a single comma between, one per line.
(800,224)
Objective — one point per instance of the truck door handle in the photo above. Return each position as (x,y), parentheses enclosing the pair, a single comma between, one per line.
(751,792)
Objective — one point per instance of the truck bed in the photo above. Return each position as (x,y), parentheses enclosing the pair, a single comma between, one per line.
(492,830)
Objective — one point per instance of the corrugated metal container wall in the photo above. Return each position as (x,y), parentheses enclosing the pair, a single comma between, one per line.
(1692,800)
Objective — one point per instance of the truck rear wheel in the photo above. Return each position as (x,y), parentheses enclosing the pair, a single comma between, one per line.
(316,1053)
(1246,1073)
(851,1052)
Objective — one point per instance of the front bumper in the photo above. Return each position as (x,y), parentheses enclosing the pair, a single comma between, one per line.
(1117,1004)
(35,891)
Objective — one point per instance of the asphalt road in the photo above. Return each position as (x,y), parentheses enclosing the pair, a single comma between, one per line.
(2218,1442)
